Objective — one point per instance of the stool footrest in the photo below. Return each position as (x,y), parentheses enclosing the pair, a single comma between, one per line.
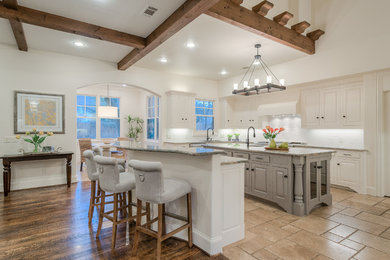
(147,231)
(172,215)
(166,236)
(150,222)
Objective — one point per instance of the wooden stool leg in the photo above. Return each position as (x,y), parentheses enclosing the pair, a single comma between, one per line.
(138,223)
(148,217)
(164,226)
(189,216)
(91,202)
(102,204)
(129,204)
(124,204)
(159,231)
(114,220)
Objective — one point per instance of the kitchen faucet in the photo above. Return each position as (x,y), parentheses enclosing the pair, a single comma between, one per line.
(247,136)
(209,138)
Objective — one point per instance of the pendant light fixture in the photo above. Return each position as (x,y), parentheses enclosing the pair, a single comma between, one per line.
(250,84)
(108,111)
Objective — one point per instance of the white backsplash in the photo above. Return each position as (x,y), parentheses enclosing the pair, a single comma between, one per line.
(337,138)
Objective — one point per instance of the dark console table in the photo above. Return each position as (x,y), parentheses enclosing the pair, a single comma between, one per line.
(8,159)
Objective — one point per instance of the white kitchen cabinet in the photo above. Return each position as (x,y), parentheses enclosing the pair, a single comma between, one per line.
(226,114)
(181,109)
(352,113)
(310,108)
(340,107)
(347,169)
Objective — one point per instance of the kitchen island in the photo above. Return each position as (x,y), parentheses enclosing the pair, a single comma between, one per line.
(217,183)
(297,180)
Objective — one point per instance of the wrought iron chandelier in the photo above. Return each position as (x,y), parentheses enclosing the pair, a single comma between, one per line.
(253,73)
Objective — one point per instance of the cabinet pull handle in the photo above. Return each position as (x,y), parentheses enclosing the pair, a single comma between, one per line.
(319,167)
(348,154)
(253,170)
(285,176)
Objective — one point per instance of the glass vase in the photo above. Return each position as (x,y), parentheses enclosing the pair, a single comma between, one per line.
(36,148)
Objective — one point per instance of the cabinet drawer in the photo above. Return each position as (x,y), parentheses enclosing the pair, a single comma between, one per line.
(348,154)
(241,155)
(260,157)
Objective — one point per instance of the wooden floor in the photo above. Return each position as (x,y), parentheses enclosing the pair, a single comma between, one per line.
(52,223)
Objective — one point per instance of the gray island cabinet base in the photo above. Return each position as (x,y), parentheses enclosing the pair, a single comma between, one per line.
(297,180)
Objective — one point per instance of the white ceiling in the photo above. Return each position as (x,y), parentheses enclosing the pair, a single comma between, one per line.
(219,46)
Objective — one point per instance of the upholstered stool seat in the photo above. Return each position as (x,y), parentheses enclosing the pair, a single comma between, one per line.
(112,181)
(154,188)
(97,150)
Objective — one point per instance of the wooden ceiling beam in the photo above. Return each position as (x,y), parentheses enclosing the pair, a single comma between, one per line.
(283,18)
(17,27)
(185,14)
(315,35)
(258,24)
(300,27)
(263,8)
(60,23)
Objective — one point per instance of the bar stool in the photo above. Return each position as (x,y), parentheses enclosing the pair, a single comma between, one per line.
(93,177)
(97,150)
(111,181)
(154,188)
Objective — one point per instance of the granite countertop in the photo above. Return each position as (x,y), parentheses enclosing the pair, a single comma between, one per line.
(226,160)
(328,147)
(198,141)
(146,147)
(292,151)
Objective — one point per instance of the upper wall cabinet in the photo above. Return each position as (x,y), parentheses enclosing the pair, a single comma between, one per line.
(180,109)
(340,107)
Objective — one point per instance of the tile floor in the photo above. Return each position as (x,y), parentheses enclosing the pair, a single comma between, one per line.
(355,227)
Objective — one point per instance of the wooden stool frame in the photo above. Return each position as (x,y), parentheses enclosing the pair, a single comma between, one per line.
(124,207)
(161,235)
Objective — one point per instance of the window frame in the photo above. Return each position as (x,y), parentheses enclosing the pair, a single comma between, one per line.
(203,132)
(85,113)
(157,122)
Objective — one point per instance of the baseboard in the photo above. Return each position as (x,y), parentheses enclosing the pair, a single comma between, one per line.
(233,235)
(25,183)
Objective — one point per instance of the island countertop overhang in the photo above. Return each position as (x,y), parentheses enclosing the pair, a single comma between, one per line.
(295,151)
(150,147)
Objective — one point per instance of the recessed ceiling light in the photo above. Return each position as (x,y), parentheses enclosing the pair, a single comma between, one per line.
(190,44)
(78,44)
(164,60)
(223,72)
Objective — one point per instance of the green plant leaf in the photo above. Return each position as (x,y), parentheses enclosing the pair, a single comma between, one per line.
(41,139)
(28,140)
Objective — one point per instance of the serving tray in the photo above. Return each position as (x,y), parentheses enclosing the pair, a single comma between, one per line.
(276,149)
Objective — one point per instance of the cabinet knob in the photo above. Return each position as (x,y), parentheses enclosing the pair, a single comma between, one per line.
(182,119)
(322,117)
(317,117)
(285,176)
(253,170)
(247,169)
(344,116)
(338,164)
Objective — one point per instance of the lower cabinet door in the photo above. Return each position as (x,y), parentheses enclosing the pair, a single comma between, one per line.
(247,178)
(349,172)
(281,187)
(261,181)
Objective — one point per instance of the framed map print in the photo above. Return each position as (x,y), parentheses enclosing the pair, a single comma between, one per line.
(45,112)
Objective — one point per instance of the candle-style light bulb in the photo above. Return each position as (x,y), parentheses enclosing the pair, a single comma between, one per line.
(282,82)
(246,84)
(257,82)
(235,86)
(269,79)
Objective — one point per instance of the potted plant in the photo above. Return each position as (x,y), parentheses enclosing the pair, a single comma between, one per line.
(270,135)
(229,137)
(237,137)
(135,127)
(36,138)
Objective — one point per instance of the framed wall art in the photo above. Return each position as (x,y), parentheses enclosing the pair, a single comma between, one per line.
(45,112)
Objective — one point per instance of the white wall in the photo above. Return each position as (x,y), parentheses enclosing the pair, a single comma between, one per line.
(356,40)
(48,72)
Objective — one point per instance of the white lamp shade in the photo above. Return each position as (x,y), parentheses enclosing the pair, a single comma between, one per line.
(108,112)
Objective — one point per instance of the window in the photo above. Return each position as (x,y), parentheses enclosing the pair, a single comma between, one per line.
(204,114)
(86,117)
(153,122)
(110,127)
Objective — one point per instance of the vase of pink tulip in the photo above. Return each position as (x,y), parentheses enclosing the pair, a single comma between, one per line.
(36,138)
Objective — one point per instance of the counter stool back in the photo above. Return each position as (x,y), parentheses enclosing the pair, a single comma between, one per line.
(154,188)
(93,176)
